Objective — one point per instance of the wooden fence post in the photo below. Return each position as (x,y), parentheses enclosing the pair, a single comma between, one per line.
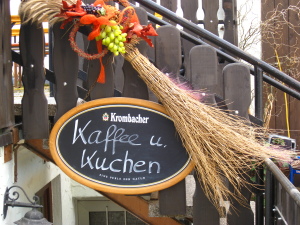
(95,89)
(6,87)
(230,21)
(65,62)
(134,86)
(237,95)
(211,21)
(204,76)
(189,9)
(168,50)
(204,70)
(171,5)
(172,201)
(34,102)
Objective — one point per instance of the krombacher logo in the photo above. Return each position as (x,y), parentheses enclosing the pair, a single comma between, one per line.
(128,118)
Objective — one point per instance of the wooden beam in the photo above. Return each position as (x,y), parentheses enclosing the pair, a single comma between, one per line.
(6,139)
(140,208)
(37,146)
(7,153)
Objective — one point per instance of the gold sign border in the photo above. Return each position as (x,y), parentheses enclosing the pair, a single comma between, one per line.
(101,186)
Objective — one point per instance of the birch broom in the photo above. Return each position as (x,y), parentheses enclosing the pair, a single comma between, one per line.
(218,143)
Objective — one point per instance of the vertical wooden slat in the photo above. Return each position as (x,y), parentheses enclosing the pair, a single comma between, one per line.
(134,86)
(119,75)
(172,201)
(237,94)
(151,51)
(34,102)
(83,44)
(230,21)
(65,62)
(204,70)
(204,212)
(189,9)
(171,5)
(204,76)
(237,90)
(6,87)
(210,8)
(98,90)
(168,50)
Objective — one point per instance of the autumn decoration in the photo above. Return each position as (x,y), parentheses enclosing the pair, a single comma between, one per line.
(220,144)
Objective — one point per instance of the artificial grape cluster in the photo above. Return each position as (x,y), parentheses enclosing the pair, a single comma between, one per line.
(97,10)
(113,38)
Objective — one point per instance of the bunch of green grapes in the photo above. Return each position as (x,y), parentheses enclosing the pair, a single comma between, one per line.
(113,38)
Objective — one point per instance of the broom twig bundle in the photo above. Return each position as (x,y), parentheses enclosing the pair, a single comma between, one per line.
(38,11)
(218,143)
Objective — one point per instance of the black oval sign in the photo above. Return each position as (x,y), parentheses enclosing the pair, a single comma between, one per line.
(120,145)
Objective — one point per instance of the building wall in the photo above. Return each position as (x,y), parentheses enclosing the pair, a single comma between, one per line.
(6,178)
(33,174)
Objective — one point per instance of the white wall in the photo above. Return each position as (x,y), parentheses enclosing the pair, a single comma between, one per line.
(6,178)
(33,174)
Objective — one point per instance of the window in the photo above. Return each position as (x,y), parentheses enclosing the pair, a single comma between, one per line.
(104,212)
(45,197)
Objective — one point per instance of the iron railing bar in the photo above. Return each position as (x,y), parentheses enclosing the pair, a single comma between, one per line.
(280,216)
(228,58)
(259,197)
(221,43)
(281,87)
(258,89)
(258,92)
(284,181)
(269,194)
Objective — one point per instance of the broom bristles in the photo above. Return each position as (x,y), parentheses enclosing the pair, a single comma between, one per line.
(38,11)
(218,143)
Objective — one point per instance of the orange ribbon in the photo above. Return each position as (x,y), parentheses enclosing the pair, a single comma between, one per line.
(101,78)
